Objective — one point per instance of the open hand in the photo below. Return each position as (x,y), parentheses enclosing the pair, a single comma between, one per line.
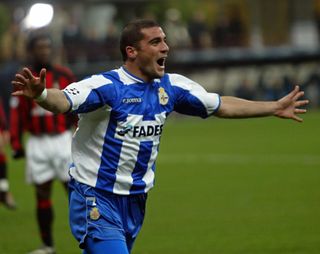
(28,85)
(289,105)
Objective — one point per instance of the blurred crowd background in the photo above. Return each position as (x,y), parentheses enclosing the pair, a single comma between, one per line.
(253,49)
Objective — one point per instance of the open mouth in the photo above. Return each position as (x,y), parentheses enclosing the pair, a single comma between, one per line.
(161,61)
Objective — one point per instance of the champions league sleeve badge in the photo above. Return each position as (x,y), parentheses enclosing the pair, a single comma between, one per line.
(163,96)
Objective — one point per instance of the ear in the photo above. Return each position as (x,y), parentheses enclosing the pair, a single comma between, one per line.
(131,52)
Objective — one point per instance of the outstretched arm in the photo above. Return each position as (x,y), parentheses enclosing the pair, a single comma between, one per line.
(286,107)
(32,87)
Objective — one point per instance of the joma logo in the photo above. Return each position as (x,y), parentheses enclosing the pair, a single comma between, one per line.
(132,100)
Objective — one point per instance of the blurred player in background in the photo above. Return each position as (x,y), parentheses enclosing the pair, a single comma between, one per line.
(12,53)
(5,196)
(122,113)
(48,148)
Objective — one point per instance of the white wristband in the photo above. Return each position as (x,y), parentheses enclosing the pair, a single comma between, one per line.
(42,96)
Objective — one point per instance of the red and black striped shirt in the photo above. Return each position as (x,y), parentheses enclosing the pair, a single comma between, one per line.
(27,115)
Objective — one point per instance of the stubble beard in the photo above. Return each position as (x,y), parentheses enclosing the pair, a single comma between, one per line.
(151,73)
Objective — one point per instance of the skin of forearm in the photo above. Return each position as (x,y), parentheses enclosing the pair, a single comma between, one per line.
(233,107)
(56,101)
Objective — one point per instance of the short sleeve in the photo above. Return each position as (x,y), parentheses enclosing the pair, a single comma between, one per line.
(90,94)
(192,98)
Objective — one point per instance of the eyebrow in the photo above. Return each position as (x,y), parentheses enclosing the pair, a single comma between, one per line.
(157,39)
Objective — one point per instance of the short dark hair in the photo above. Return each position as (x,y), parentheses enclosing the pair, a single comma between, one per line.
(131,34)
(35,37)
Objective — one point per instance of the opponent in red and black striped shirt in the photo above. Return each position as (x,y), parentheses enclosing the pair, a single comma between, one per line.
(26,115)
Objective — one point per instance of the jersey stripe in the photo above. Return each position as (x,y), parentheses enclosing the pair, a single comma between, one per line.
(141,167)
(109,159)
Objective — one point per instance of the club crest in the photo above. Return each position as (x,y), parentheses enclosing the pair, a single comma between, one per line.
(163,96)
(94,213)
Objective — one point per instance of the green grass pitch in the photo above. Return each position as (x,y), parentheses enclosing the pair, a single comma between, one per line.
(222,187)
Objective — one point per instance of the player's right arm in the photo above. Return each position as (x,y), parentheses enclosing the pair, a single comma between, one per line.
(30,86)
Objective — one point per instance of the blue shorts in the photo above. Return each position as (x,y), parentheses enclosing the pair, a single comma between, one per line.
(103,215)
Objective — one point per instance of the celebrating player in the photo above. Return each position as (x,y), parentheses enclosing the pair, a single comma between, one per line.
(121,117)
(48,149)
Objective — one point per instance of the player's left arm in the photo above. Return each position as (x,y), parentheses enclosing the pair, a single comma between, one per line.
(288,107)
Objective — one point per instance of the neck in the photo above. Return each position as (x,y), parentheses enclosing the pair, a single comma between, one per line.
(38,66)
(134,70)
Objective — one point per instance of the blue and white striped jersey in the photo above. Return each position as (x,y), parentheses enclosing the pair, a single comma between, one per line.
(120,123)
